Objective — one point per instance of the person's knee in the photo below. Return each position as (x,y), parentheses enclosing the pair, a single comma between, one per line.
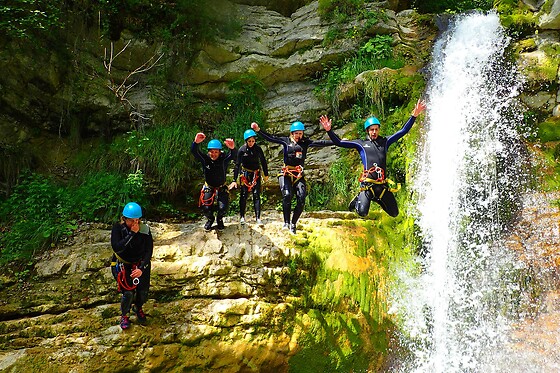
(393,213)
(127,297)
(362,211)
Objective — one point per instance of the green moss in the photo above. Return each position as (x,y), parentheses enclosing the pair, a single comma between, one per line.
(549,130)
(347,325)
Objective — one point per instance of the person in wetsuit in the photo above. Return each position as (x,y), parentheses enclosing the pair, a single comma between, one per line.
(373,153)
(291,179)
(133,246)
(214,165)
(250,163)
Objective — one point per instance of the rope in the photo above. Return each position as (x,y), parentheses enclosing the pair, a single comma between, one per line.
(245,181)
(122,281)
(208,201)
(380,179)
(295,172)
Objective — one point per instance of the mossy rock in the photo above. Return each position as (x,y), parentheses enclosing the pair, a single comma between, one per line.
(549,130)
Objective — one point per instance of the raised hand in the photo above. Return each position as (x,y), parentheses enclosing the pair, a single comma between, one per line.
(199,137)
(255,127)
(325,122)
(419,108)
(229,143)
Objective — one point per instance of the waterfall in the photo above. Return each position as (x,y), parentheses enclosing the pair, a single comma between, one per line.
(468,180)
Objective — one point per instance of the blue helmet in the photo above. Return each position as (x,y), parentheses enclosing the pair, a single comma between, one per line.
(297,126)
(249,133)
(132,210)
(370,122)
(214,144)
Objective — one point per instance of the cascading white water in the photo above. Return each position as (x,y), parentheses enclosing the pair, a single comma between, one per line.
(468,176)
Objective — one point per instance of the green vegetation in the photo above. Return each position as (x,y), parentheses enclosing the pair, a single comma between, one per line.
(516,17)
(375,54)
(27,18)
(344,276)
(441,6)
(41,212)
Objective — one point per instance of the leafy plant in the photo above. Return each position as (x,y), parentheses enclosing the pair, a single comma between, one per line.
(379,47)
(440,6)
(40,212)
(26,18)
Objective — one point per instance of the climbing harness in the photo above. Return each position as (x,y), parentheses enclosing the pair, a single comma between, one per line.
(368,183)
(294,172)
(373,170)
(245,180)
(208,201)
(122,282)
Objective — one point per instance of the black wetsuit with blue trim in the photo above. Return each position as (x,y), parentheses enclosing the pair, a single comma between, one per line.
(374,159)
(215,187)
(292,179)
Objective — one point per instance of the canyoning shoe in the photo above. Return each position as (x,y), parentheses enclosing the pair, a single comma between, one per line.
(242,220)
(208,225)
(293,229)
(286,226)
(140,315)
(220,225)
(125,322)
(260,222)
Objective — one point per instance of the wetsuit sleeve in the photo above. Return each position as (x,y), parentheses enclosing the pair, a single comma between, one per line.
(271,138)
(320,143)
(403,131)
(196,152)
(120,238)
(149,250)
(342,143)
(264,163)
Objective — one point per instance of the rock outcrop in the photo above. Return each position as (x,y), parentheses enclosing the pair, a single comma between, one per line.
(226,301)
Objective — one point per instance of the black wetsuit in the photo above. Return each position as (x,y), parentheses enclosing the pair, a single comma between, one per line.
(374,157)
(250,163)
(132,250)
(294,156)
(215,187)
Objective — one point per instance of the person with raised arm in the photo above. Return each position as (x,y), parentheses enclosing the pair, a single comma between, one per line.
(291,178)
(214,165)
(373,153)
(250,163)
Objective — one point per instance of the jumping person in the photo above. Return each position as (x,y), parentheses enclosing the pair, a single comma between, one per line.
(373,152)
(251,161)
(132,251)
(291,179)
(214,165)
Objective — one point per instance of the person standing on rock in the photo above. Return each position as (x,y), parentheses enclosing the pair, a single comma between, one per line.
(373,153)
(250,163)
(291,179)
(133,246)
(214,165)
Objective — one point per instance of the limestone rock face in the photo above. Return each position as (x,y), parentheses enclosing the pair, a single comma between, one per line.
(219,301)
(284,53)
(551,20)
